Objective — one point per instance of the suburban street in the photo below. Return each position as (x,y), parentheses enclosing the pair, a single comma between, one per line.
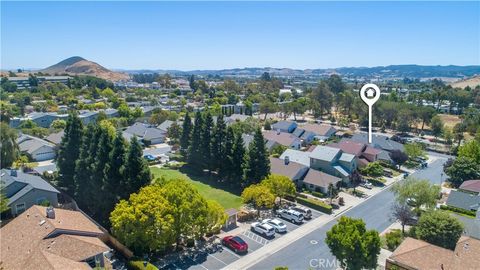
(311,252)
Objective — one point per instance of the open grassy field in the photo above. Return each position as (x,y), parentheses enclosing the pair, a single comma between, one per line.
(225,198)
(450,120)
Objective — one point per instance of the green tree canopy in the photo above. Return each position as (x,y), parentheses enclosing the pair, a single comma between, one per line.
(8,148)
(258,195)
(281,186)
(353,245)
(421,191)
(439,228)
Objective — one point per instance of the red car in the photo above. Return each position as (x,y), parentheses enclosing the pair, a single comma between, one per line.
(235,243)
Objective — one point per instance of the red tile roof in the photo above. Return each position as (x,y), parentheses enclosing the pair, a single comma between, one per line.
(471,185)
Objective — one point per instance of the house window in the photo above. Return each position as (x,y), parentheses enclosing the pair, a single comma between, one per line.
(20,208)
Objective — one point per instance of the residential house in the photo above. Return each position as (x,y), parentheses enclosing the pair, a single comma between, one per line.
(463,200)
(24,190)
(293,170)
(284,126)
(50,239)
(471,186)
(165,125)
(146,133)
(378,141)
(296,156)
(320,132)
(333,161)
(88,117)
(55,138)
(362,152)
(269,144)
(417,254)
(319,181)
(42,119)
(286,139)
(36,148)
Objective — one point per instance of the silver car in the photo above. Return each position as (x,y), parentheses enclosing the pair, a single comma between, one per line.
(277,224)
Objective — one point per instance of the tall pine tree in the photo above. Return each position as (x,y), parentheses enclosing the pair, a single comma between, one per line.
(227,166)
(136,168)
(257,163)
(195,150)
(206,144)
(186,135)
(84,168)
(218,145)
(115,180)
(68,153)
(238,161)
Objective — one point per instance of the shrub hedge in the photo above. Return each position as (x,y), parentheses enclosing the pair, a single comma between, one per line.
(138,265)
(458,210)
(315,204)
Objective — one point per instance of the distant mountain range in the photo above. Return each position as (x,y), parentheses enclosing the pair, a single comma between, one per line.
(77,65)
(393,71)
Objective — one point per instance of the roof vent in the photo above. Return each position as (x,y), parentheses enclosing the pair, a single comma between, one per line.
(287,160)
(42,222)
(50,212)
(278,131)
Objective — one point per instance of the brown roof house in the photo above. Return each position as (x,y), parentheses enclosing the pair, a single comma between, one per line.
(286,139)
(293,170)
(319,181)
(44,238)
(471,186)
(415,254)
(362,152)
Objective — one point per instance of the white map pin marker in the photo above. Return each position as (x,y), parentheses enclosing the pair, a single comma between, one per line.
(370,93)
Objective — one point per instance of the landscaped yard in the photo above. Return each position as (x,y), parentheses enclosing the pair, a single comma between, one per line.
(226,199)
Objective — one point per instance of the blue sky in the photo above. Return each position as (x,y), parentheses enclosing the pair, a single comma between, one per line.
(216,35)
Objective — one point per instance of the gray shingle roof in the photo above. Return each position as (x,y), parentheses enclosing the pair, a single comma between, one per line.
(144,131)
(378,141)
(297,156)
(289,170)
(29,144)
(463,200)
(320,179)
(282,125)
(298,132)
(324,153)
(165,125)
(31,181)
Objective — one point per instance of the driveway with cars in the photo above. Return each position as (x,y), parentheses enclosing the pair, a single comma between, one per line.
(224,257)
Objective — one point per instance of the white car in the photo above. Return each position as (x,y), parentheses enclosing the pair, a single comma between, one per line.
(278,225)
(366,185)
(263,229)
(290,215)
(307,213)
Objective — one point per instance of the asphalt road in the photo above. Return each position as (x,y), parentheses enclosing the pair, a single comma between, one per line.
(311,252)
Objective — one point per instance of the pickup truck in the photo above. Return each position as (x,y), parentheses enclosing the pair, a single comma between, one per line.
(290,215)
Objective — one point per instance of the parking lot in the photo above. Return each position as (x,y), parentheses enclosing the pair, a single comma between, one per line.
(224,256)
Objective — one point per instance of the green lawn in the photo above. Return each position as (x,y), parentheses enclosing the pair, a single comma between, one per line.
(226,199)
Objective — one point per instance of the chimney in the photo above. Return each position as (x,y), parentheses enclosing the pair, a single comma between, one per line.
(278,131)
(287,160)
(13,172)
(50,212)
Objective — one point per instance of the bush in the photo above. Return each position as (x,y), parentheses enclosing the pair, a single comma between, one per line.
(379,182)
(138,265)
(393,239)
(458,210)
(318,194)
(315,204)
(373,169)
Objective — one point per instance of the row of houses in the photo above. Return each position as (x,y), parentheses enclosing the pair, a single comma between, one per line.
(322,165)
(45,119)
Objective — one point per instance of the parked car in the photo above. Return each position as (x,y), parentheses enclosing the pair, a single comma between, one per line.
(235,243)
(307,213)
(263,229)
(366,185)
(406,174)
(290,215)
(149,158)
(277,224)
